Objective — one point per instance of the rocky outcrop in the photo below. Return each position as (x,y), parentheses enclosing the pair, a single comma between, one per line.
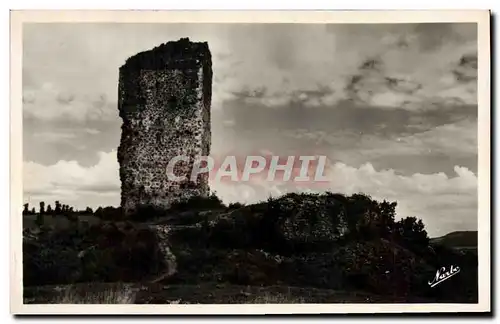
(289,224)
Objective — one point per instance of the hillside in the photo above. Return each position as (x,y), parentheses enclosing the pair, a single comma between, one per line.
(296,248)
(459,239)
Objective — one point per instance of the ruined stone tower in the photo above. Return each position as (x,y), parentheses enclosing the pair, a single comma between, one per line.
(164,101)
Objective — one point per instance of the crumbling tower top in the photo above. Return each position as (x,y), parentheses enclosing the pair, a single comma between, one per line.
(173,54)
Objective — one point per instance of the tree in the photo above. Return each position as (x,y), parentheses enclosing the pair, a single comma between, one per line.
(357,207)
(385,221)
(98,212)
(58,207)
(42,208)
(33,212)
(89,210)
(26,209)
(369,219)
(39,217)
(411,233)
(70,214)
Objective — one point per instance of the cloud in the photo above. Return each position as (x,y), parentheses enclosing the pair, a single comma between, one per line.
(420,65)
(48,141)
(457,140)
(444,203)
(54,137)
(73,184)
(454,140)
(365,63)
(92,131)
(49,103)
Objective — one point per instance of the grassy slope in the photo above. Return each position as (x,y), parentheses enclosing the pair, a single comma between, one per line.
(459,239)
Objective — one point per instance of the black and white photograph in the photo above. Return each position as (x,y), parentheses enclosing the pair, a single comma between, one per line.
(337,161)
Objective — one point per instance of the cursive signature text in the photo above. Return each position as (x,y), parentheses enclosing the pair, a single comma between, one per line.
(443,274)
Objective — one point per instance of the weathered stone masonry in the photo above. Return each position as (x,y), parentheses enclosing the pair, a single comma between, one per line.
(164,102)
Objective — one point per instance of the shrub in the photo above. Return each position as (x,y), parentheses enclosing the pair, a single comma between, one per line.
(410,232)
(103,252)
(58,208)
(235,205)
(147,212)
(42,208)
(109,213)
(198,203)
(26,209)
(39,219)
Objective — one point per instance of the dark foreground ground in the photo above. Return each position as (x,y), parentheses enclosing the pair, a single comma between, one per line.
(205,293)
(295,249)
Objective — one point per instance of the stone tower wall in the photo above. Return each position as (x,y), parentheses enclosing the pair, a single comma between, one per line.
(164,102)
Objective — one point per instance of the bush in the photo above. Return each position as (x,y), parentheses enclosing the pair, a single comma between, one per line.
(147,212)
(289,224)
(410,232)
(109,213)
(104,252)
(198,203)
(192,205)
(39,221)
(235,205)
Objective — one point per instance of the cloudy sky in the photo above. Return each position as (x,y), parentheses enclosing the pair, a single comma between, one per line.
(394,107)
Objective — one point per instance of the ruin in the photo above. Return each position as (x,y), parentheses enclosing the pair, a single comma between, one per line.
(164,101)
